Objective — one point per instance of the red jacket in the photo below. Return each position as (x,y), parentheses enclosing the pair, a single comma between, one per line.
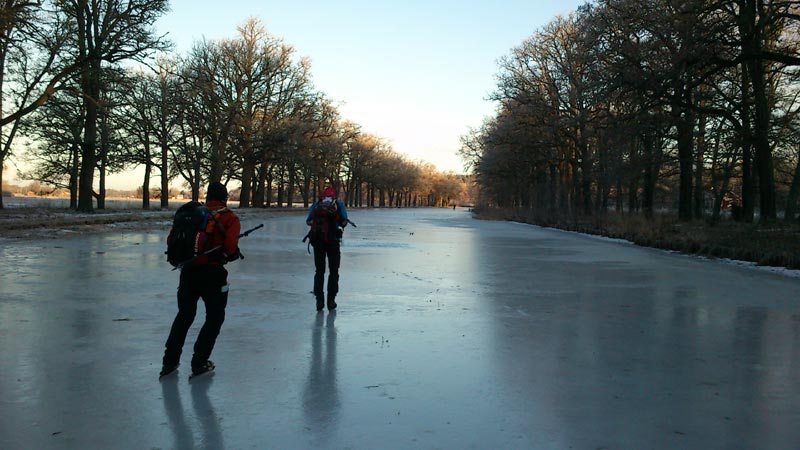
(226,233)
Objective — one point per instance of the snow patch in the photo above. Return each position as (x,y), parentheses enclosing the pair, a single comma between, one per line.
(593,236)
(746,264)
(751,265)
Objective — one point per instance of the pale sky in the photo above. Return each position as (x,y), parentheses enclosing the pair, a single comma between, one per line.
(416,73)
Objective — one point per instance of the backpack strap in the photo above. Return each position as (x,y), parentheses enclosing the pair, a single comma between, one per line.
(213,226)
(215,214)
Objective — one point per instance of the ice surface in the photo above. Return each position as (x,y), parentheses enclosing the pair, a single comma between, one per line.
(451,333)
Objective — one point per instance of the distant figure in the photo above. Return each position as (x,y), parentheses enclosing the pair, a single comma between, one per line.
(454,207)
(205,276)
(327,218)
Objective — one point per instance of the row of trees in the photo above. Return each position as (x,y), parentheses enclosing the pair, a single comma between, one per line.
(668,104)
(241,109)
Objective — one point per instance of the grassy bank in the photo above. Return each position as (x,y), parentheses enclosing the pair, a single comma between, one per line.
(54,223)
(776,244)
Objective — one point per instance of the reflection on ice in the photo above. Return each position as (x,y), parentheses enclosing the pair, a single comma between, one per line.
(321,396)
(173,407)
(207,419)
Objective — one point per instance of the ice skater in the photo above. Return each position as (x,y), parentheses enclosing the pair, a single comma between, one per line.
(204,277)
(327,218)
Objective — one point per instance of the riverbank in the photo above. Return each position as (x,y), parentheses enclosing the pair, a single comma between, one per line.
(775,244)
(38,221)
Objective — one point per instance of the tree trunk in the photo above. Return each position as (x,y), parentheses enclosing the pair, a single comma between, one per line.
(602,180)
(748,35)
(794,194)
(164,172)
(268,179)
(2,161)
(217,169)
(290,185)
(719,192)
(370,195)
(261,194)
(699,191)
(105,144)
(685,127)
(307,190)
(101,191)
(748,189)
(248,169)
(74,174)
(766,174)
(90,82)
(563,187)
(721,195)
(196,181)
(3,154)
(146,181)
(586,171)
(148,169)
(267,187)
(633,196)
(552,188)
(90,85)
(649,177)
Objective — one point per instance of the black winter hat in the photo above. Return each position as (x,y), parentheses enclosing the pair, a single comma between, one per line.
(216,191)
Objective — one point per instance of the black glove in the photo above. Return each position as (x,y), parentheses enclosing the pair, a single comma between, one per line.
(217,256)
(236,255)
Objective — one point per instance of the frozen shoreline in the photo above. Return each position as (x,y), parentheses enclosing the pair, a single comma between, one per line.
(747,264)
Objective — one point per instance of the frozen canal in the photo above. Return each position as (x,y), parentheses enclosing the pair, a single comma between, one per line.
(451,333)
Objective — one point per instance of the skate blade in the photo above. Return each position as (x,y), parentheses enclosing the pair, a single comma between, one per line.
(167,375)
(200,376)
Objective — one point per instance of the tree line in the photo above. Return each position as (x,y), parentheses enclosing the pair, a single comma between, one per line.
(90,89)
(649,105)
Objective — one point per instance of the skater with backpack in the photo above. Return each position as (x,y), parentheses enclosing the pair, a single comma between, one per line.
(327,218)
(202,240)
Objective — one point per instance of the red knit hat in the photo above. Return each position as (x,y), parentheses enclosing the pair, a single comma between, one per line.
(328,192)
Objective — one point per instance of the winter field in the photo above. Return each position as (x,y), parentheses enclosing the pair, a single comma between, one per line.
(451,333)
(63,202)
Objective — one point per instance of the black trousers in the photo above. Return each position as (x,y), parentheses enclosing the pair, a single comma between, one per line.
(211,284)
(333,253)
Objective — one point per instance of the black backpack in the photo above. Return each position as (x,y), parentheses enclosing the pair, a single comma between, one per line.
(323,222)
(188,237)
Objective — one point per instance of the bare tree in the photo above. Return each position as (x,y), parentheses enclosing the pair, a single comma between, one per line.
(625,100)
(31,72)
(140,124)
(55,131)
(107,32)
(271,81)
